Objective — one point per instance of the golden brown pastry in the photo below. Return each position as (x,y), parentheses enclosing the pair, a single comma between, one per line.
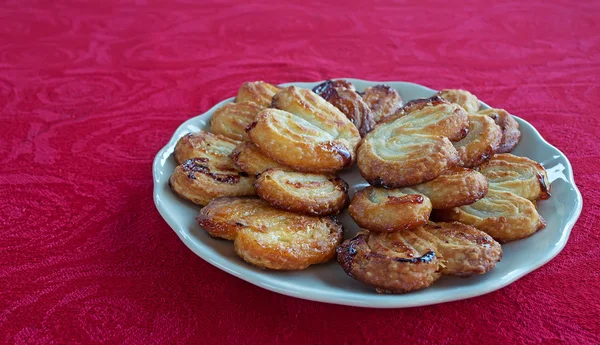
(251,160)
(392,262)
(307,134)
(223,217)
(466,250)
(383,100)
(412,148)
(448,120)
(509,127)
(464,98)
(314,109)
(454,187)
(390,158)
(203,144)
(481,142)
(333,83)
(292,141)
(271,238)
(349,102)
(502,215)
(258,92)
(386,210)
(232,119)
(519,175)
(420,103)
(288,241)
(312,194)
(202,179)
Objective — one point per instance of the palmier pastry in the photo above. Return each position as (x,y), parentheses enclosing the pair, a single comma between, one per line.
(448,120)
(288,241)
(258,92)
(420,103)
(314,109)
(312,194)
(466,250)
(203,144)
(271,238)
(481,142)
(383,100)
(349,102)
(202,179)
(308,134)
(390,158)
(223,217)
(465,99)
(509,127)
(333,84)
(454,187)
(392,262)
(503,215)
(519,175)
(413,148)
(251,160)
(386,210)
(232,119)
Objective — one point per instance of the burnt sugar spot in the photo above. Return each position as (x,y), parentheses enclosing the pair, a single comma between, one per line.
(376,182)
(340,184)
(298,184)
(193,164)
(323,87)
(235,155)
(425,258)
(464,131)
(340,149)
(543,186)
(420,103)
(250,126)
(332,84)
(202,166)
(406,199)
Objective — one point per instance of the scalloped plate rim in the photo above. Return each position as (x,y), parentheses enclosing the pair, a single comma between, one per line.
(372,300)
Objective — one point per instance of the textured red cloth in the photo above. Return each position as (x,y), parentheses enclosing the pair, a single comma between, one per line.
(90,92)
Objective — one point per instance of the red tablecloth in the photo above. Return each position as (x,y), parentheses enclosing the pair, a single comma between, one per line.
(90,92)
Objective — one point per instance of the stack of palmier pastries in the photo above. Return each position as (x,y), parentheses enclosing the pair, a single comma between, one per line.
(265,175)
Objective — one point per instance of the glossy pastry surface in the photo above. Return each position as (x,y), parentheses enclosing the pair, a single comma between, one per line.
(386,210)
(391,262)
(250,159)
(464,98)
(509,126)
(312,194)
(519,175)
(349,102)
(202,179)
(454,187)
(481,143)
(258,92)
(502,215)
(383,100)
(466,250)
(305,132)
(203,144)
(232,119)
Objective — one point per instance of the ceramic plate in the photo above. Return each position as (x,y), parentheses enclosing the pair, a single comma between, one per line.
(328,282)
